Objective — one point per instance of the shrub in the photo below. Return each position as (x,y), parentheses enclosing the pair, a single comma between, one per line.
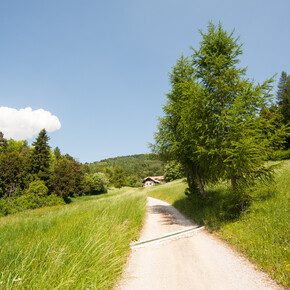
(97,183)
(34,197)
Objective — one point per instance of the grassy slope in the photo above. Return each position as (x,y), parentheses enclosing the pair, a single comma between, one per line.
(262,234)
(78,246)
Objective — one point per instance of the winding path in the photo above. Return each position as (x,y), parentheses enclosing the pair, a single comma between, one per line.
(174,253)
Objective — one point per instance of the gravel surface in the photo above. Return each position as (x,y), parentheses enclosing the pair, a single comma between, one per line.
(195,260)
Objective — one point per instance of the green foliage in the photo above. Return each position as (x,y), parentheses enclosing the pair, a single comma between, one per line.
(283,97)
(40,157)
(23,171)
(11,172)
(3,142)
(173,170)
(118,178)
(78,246)
(35,196)
(97,183)
(57,153)
(212,122)
(67,178)
(136,167)
(280,155)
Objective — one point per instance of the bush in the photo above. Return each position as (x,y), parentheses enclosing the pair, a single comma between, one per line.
(34,197)
(97,183)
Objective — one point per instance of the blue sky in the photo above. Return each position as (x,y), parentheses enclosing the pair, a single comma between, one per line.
(102,67)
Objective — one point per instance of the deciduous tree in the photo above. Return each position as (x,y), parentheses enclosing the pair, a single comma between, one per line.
(11,172)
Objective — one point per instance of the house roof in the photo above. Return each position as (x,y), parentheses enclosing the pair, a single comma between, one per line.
(156,179)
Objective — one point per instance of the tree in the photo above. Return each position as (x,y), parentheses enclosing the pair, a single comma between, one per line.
(11,172)
(67,178)
(118,178)
(3,142)
(40,158)
(181,132)
(173,170)
(212,124)
(283,97)
(57,153)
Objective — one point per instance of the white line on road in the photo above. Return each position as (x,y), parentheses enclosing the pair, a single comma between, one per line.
(182,233)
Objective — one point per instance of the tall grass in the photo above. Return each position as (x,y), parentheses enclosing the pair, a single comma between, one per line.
(79,246)
(261,233)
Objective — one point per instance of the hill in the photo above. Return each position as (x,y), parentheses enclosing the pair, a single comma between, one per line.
(136,166)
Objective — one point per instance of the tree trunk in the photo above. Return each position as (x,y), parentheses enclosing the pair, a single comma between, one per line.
(199,181)
(188,179)
(234,183)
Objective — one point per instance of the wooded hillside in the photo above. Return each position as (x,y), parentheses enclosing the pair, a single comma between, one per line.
(136,167)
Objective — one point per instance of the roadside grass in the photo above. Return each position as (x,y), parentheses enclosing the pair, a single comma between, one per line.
(82,245)
(261,233)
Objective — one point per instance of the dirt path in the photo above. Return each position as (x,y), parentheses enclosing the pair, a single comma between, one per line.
(193,259)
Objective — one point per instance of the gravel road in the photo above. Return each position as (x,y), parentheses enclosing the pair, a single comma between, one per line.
(188,259)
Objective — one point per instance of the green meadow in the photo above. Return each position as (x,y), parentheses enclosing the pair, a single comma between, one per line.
(77,246)
(261,233)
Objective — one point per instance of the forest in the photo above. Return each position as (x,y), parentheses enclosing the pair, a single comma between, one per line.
(37,176)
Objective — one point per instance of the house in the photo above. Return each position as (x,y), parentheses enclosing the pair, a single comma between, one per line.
(152,180)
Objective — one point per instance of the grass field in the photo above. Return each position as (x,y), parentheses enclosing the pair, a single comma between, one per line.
(82,245)
(261,233)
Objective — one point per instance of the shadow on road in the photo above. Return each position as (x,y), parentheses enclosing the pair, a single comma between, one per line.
(170,216)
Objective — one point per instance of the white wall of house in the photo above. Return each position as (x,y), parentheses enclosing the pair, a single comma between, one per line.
(149,183)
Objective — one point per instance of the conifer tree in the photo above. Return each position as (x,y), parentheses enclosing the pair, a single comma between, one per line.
(283,97)
(40,158)
(212,124)
(235,103)
(180,133)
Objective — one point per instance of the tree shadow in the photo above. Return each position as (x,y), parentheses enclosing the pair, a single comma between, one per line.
(170,216)
(218,207)
(222,205)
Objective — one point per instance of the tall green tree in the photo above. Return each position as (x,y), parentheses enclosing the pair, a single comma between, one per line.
(235,103)
(283,97)
(57,153)
(118,178)
(11,172)
(181,132)
(212,124)
(40,158)
(67,178)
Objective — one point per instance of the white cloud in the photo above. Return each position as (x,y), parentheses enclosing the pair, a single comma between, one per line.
(25,123)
